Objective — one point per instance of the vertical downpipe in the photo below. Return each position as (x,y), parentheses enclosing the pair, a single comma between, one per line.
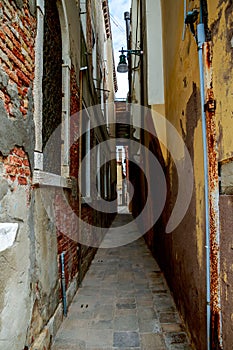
(200,42)
(63,284)
(214,320)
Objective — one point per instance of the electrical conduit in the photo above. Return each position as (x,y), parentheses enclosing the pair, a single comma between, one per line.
(63,283)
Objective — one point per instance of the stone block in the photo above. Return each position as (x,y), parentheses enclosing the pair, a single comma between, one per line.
(55,322)
(152,341)
(168,317)
(42,342)
(125,323)
(227,178)
(126,339)
(175,338)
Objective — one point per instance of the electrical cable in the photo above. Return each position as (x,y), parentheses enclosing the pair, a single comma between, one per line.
(117,23)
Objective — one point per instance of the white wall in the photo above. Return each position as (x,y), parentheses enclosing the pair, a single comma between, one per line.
(154,52)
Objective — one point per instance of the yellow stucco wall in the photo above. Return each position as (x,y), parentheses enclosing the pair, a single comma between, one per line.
(221,23)
(182,97)
(183,110)
(184,251)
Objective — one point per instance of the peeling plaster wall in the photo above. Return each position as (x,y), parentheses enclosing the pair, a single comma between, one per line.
(17,38)
(15,293)
(182,252)
(29,293)
(30,244)
(221,24)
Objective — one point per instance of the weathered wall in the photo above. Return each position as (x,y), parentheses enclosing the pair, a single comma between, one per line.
(31,240)
(17,37)
(182,252)
(220,24)
(184,263)
(226,209)
(15,291)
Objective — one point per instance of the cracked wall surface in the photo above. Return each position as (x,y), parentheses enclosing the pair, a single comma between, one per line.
(39,88)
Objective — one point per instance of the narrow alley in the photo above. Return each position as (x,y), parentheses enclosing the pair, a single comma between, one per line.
(123,303)
(116,174)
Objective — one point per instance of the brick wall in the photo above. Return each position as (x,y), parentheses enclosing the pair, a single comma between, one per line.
(16,167)
(67,239)
(17,35)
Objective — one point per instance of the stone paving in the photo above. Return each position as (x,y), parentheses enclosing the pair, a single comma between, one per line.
(124,303)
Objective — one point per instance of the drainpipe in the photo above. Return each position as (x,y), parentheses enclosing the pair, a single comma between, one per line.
(214,322)
(200,43)
(63,284)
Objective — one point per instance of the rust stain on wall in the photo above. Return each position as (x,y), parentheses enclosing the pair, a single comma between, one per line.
(213,205)
(208,57)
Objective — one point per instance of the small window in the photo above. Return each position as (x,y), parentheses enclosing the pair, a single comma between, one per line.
(86,146)
(52,89)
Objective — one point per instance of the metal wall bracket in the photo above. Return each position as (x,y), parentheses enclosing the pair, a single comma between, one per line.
(210,106)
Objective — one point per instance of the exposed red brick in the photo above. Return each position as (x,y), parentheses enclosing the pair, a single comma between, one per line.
(13,38)
(2,35)
(27,172)
(15,160)
(24,172)
(12,75)
(23,77)
(18,55)
(28,41)
(22,180)
(11,169)
(23,110)
(25,162)
(10,55)
(22,91)
(7,98)
(19,152)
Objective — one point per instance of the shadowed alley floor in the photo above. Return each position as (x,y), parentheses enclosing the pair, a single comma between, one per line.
(124,303)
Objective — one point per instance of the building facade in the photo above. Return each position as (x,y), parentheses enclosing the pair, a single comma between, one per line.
(184,80)
(56,63)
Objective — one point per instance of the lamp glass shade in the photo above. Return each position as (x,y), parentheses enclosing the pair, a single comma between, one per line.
(122,65)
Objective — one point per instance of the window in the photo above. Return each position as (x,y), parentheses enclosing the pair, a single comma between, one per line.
(86,146)
(52,90)
(52,95)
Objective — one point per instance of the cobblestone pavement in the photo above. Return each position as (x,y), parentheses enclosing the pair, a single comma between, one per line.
(124,303)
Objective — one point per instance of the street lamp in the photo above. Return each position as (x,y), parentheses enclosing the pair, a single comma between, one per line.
(122,65)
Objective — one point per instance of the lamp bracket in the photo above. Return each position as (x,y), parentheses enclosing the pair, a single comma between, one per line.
(132,52)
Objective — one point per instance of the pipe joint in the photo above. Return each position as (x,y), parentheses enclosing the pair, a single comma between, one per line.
(200,35)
